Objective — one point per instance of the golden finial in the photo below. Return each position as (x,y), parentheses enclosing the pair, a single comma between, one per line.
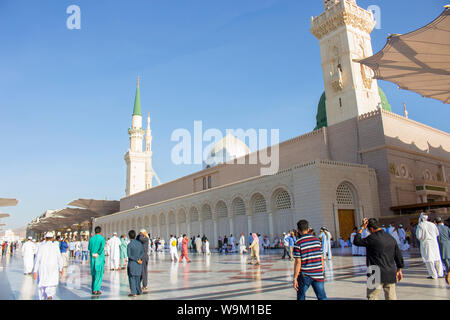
(138,82)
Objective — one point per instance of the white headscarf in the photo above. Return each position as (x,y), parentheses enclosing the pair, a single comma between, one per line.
(423,217)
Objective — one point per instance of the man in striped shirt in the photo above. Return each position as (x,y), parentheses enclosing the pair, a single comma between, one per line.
(308,267)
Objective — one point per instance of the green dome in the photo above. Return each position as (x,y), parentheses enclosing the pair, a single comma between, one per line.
(384,101)
(321,117)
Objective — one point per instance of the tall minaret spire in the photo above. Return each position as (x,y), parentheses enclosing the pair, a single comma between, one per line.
(135,157)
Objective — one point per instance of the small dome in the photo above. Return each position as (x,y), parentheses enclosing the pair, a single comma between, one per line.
(384,101)
(321,116)
(226,149)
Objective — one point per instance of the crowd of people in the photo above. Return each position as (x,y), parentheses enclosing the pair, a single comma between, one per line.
(381,245)
(10,247)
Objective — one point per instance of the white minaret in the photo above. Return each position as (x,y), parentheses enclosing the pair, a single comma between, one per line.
(344,31)
(135,158)
(149,173)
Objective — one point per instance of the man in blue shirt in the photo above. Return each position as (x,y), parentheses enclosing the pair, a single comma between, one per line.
(64,247)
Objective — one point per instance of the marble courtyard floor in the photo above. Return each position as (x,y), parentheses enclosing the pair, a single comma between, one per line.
(223,276)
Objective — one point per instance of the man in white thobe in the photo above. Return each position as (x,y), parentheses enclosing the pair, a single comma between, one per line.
(354,247)
(242,248)
(233,246)
(28,250)
(180,242)
(114,252)
(198,244)
(48,268)
(394,234)
(427,234)
(173,249)
(401,233)
(325,236)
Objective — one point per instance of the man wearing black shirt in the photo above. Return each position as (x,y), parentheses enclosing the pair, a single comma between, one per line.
(143,238)
(383,253)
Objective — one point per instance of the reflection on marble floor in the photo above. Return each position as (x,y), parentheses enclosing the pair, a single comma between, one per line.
(222,276)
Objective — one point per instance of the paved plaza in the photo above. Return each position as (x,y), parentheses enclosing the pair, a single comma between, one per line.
(223,276)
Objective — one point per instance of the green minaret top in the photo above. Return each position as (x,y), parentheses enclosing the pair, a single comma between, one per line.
(137,102)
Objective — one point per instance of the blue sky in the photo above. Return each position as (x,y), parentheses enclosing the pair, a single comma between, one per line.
(66,96)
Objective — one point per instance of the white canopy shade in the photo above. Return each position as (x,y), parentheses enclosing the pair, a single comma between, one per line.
(418,61)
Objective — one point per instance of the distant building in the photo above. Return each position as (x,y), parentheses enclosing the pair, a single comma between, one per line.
(12,235)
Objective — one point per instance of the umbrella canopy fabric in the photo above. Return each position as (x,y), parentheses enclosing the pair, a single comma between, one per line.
(67,217)
(102,207)
(7,202)
(418,61)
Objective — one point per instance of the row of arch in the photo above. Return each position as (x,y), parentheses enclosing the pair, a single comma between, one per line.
(259,214)
(269,215)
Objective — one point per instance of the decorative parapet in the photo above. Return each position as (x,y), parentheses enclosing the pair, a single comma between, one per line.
(323,162)
(304,136)
(341,164)
(370,114)
(136,131)
(343,13)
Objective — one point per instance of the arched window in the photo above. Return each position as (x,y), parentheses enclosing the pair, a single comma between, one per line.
(171,217)
(194,214)
(259,204)
(181,216)
(238,207)
(162,219)
(283,200)
(344,195)
(206,212)
(221,209)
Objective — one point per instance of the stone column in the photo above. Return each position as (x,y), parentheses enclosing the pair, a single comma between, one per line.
(361,214)
(249,218)
(201,227)
(270,226)
(167,230)
(215,236)
(188,227)
(336,222)
(230,220)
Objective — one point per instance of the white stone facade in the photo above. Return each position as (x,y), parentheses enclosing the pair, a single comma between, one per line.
(269,205)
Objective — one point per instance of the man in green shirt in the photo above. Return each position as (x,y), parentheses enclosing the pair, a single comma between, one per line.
(97,254)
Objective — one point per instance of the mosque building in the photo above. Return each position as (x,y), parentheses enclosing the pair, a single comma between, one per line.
(361,160)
